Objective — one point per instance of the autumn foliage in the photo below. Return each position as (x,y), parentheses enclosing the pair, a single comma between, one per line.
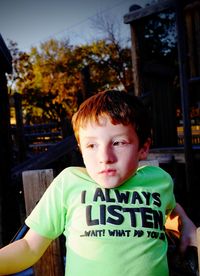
(55,78)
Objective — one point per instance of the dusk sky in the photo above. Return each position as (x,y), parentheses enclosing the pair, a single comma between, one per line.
(30,22)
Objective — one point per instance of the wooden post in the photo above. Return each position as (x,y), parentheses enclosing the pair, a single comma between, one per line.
(192,18)
(190,41)
(35,182)
(136,62)
(198,245)
(7,194)
(197,32)
(21,143)
(86,83)
(184,87)
(135,55)
(5,159)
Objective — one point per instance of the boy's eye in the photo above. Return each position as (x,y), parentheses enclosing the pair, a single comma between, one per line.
(119,143)
(90,146)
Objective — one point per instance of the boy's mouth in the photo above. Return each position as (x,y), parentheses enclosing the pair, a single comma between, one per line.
(109,172)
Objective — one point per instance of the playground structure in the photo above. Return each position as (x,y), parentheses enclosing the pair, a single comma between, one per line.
(174,137)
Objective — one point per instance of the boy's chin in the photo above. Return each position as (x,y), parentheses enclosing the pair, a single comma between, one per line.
(110,185)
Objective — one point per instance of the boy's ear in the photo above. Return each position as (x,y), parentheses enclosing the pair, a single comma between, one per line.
(79,147)
(144,150)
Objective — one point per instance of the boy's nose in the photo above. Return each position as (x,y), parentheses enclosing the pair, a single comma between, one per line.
(106,155)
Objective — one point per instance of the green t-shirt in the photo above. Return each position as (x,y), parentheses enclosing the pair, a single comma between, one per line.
(110,232)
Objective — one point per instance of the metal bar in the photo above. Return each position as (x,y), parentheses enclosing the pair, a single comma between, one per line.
(20,233)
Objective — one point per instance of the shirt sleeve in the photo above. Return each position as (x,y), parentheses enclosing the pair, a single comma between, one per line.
(48,217)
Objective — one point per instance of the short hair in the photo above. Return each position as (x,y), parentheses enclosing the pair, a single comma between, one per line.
(120,107)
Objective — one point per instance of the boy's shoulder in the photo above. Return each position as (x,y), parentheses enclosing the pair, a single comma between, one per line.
(74,172)
(70,178)
(152,170)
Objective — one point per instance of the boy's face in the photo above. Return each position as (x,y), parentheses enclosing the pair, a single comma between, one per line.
(110,152)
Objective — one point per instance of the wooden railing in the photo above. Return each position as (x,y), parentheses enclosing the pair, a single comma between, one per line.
(34,184)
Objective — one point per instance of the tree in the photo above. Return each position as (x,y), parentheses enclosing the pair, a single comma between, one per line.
(51,78)
(119,60)
(160,38)
(47,80)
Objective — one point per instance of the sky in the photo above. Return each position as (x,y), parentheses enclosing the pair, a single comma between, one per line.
(31,22)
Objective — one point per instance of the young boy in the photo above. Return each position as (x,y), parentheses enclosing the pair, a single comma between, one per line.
(111,212)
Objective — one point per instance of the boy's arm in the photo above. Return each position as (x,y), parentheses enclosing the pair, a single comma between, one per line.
(185,226)
(23,253)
